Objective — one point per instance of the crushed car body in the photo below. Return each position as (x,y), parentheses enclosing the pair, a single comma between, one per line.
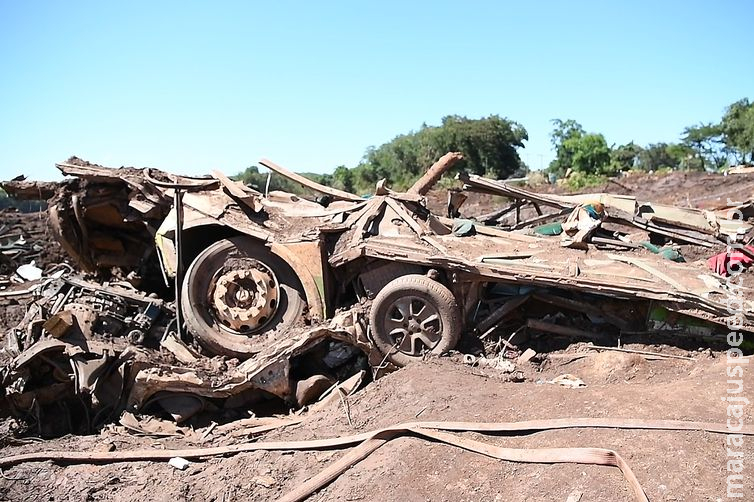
(280,298)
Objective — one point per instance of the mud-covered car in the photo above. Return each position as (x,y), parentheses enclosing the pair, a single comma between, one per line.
(257,264)
(300,296)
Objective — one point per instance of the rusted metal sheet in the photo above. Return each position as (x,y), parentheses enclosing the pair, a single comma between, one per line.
(705,226)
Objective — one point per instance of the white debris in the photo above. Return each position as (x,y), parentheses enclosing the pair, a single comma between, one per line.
(568,380)
(29,272)
(179,463)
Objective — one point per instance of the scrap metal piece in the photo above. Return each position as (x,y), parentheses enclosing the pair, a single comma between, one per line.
(79,332)
(313,185)
(246,298)
(182,352)
(59,324)
(685,224)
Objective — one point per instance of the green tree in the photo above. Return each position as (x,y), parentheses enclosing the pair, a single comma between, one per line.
(489,146)
(664,156)
(582,152)
(343,178)
(737,129)
(563,130)
(625,157)
(589,154)
(706,142)
(685,157)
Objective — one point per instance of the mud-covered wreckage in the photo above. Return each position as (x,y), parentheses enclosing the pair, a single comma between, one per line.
(282,298)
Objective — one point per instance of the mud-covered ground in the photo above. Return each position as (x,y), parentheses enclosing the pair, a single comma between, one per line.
(678,466)
(671,466)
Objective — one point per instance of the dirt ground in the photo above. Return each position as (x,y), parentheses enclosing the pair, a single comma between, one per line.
(678,466)
(671,466)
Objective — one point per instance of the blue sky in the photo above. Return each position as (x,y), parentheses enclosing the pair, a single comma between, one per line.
(191,86)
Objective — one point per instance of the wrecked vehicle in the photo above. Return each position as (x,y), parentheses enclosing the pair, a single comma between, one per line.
(256,277)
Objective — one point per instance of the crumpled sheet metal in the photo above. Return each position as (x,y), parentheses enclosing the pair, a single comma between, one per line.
(119,375)
(678,220)
(268,371)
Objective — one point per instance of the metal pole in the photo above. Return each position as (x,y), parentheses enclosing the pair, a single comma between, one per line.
(184,185)
(178,205)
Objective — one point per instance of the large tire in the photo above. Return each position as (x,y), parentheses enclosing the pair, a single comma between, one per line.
(413,316)
(260,297)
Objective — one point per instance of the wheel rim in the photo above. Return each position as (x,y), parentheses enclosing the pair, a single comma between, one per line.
(244,296)
(414,325)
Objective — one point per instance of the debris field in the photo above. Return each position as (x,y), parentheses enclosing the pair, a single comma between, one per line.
(394,333)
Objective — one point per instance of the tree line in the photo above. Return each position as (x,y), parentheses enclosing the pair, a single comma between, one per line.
(706,146)
(491,145)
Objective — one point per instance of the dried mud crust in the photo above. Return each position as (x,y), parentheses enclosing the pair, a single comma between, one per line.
(670,465)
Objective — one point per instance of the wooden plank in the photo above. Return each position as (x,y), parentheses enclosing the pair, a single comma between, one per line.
(559,330)
(614,242)
(494,215)
(501,312)
(495,232)
(540,219)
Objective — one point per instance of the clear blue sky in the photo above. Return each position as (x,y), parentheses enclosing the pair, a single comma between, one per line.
(190,86)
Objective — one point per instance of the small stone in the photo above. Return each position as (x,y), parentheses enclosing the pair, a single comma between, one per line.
(265,481)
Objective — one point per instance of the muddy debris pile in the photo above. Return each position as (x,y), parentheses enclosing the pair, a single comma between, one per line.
(200,299)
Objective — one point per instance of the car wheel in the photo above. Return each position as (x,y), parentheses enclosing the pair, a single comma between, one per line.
(237,296)
(412,316)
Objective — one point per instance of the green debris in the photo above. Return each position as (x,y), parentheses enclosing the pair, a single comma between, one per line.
(463,228)
(549,229)
(666,252)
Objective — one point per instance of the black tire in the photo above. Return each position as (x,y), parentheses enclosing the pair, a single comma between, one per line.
(211,329)
(413,316)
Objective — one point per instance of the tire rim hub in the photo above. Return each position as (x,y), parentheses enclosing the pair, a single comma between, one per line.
(414,324)
(245,299)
